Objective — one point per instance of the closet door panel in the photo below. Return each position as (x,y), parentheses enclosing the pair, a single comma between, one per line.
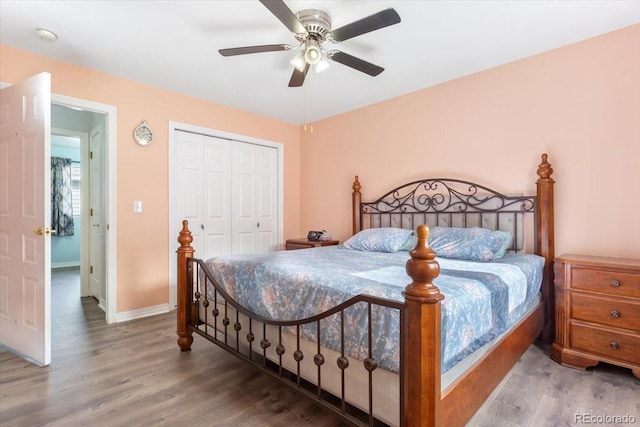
(189,170)
(245,242)
(266,190)
(254,177)
(245,220)
(217,197)
(189,203)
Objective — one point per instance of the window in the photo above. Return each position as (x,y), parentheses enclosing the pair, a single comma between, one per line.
(75,188)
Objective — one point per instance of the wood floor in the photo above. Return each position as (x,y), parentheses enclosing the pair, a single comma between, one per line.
(132,374)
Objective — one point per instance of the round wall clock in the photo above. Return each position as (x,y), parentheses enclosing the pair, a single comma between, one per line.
(142,134)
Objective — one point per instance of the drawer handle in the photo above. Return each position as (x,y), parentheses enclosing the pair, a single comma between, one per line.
(615,283)
(614,345)
(615,314)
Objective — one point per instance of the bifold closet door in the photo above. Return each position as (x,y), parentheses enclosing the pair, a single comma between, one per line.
(254,198)
(204,198)
(228,191)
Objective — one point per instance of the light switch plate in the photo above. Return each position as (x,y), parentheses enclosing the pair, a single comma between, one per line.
(137,206)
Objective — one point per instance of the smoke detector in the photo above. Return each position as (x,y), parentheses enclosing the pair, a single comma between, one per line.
(46,35)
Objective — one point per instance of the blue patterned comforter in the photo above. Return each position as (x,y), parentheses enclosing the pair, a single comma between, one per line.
(482,299)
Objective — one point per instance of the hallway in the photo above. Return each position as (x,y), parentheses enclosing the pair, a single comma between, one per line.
(71,316)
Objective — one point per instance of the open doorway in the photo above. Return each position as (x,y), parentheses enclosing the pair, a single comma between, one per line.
(94,124)
(79,247)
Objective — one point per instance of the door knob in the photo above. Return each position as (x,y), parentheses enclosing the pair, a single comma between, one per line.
(44,231)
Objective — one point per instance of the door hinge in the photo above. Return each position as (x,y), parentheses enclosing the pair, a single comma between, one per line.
(91,212)
(90,154)
(91,270)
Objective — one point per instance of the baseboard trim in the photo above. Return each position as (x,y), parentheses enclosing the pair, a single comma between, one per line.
(65,264)
(142,312)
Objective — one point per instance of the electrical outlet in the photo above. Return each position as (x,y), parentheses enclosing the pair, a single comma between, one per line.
(137,206)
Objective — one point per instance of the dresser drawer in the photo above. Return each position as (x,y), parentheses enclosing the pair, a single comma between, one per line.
(607,311)
(601,341)
(607,282)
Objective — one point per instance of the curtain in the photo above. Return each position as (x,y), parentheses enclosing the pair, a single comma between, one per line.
(61,198)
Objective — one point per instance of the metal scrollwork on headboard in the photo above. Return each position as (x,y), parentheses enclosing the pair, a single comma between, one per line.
(449,203)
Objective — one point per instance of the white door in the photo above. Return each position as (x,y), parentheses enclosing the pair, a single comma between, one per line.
(96,235)
(217,218)
(254,200)
(224,187)
(203,175)
(25,212)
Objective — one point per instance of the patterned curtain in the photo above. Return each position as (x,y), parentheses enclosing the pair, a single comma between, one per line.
(61,199)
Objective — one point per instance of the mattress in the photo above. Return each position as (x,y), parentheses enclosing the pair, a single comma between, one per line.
(482,300)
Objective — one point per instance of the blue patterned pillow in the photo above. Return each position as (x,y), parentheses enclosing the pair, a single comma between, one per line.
(506,243)
(411,243)
(385,239)
(473,244)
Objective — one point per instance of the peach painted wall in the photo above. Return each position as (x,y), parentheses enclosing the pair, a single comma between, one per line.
(579,103)
(143,244)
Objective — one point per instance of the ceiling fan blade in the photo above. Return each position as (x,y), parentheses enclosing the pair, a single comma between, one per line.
(285,15)
(253,49)
(355,63)
(297,78)
(374,22)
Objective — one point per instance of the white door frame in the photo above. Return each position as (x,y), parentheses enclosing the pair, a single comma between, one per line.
(175,222)
(111,186)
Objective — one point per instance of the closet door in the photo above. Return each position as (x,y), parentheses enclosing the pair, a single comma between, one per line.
(217,196)
(254,198)
(205,196)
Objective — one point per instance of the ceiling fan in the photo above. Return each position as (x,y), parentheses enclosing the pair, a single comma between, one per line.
(312,28)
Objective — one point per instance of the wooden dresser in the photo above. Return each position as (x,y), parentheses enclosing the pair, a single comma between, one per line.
(306,243)
(597,311)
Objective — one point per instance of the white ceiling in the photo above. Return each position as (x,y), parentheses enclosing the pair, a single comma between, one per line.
(174,45)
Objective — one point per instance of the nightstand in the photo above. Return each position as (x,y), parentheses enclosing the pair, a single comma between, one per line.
(306,243)
(597,312)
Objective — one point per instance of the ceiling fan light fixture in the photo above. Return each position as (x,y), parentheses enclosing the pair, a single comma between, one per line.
(312,52)
(298,61)
(322,65)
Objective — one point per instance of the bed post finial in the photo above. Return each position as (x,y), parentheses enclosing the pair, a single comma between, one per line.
(545,242)
(423,268)
(185,238)
(356,185)
(185,288)
(545,170)
(356,198)
(421,336)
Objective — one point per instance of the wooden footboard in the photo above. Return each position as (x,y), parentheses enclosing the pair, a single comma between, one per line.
(423,403)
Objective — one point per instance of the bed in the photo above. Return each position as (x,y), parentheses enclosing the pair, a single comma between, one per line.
(357,342)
